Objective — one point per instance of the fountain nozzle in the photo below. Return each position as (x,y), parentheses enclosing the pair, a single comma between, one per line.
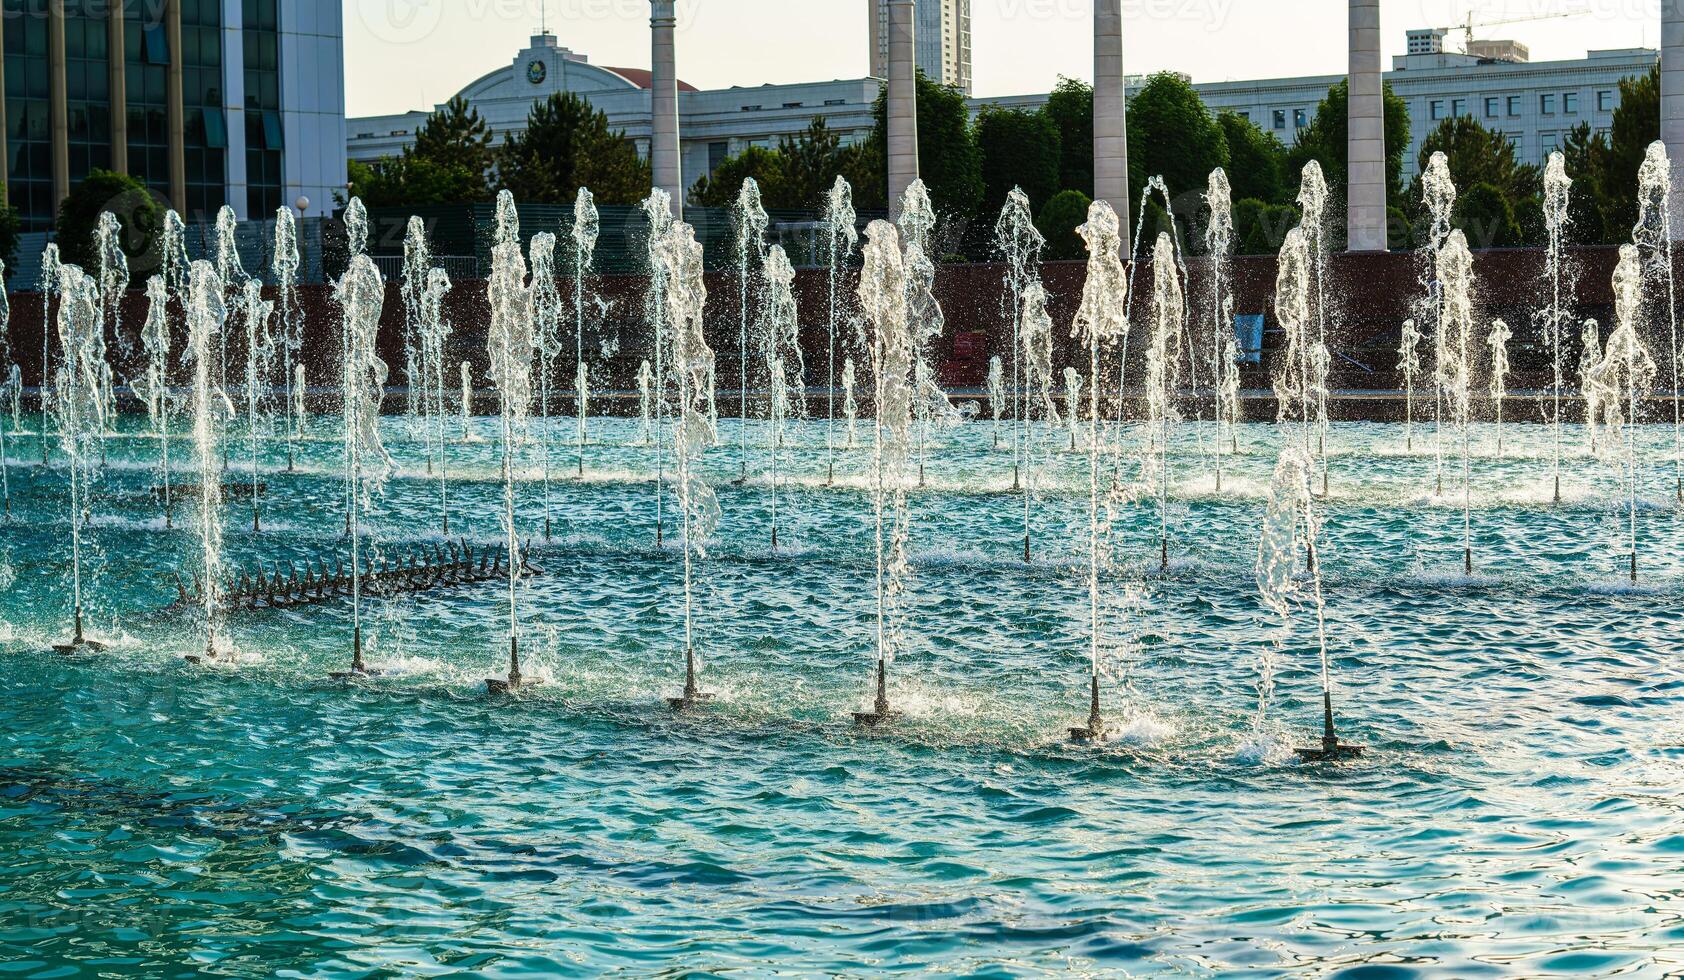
(880,711)
(515,681)
(693,693)
(1095,731)
(78,641)
(1331,750)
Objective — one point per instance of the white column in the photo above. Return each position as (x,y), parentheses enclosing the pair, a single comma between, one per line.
(1366,193)
(664,162)
(903,101)
(1110,112)
(1672,102)
(234,104)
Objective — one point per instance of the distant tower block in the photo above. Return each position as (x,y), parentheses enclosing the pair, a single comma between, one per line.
(903,101)
(1366,193)
(1672,102)
(1110,112)
(664,162)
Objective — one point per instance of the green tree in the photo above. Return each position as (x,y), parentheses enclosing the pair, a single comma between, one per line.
(1585,155)
(455,138)
(1070,107)
(1171,134)
(948,158)
(1255,159)
(1058,222)
(568,145)
(1261,227)
(720,189)
(1325,140)
(1479,156)
(1019,149)
(1484,214)
(811,163)
(412,180)
(101,191)
(1637,123)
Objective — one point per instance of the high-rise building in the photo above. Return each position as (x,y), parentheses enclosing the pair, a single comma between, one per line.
(206,102)
(943,40)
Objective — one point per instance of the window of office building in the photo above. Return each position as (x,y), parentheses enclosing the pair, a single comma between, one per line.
(206,146)
(146,58)
(1435,109)
(1546,103)
(260,35)
(1514,105)
(1570,103)
(1300,119)
(1493,107)
(1280,119)
(1458,107)
(1605,101)
(28,119)
(718,153)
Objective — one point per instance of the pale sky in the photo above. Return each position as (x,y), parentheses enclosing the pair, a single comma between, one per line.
(412,54)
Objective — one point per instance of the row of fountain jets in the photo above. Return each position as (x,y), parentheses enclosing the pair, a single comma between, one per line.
(893,318)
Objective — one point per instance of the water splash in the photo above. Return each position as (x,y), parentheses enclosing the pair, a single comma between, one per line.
(1455,342)
(361,293)
(850,403)
(1498,339)
(1439,193)
(285,265)
(587,228)
(779,333)
(657,210)
(417,262)
(1558,189)
(997,392)
(52,275)
(11,391)
(1101,324)
(1224,364)
(1020,244)
(1163,370)
(645,406)
(841,224)
(511,340)
(113,277)
(1624,377)
(544,308)
(78,406)
(154,387)
(1653,239)
(207,315)
(1312,201)
(1073,405)
(680,257)
(435,335)
(748,218)
(1590,357)
(467,402)
(883,299)
(1409,365)
(926,321)
(260,359)
(1036,334)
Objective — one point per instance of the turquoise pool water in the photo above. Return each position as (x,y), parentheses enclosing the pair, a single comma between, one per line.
(1520,810)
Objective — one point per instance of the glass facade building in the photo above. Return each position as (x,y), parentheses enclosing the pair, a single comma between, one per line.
(191,97)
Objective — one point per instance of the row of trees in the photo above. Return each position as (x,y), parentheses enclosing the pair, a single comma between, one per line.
(970,166)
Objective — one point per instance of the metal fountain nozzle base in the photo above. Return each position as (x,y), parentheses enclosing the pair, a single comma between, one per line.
(880,711)
(1095,730)
(359,670)
(516,681)
(1331,749)
(79,643)
(693,694)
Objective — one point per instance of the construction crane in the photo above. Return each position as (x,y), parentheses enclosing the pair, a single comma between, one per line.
(1467,27)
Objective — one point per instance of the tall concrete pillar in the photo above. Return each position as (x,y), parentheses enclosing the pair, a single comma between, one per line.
(1672,102)
(1110,112)
(902,101)
(58,108)
(116,47)
(1366,194)
(665,164)
(175,112)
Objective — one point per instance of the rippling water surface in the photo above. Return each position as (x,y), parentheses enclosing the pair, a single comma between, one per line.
(1518,812)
